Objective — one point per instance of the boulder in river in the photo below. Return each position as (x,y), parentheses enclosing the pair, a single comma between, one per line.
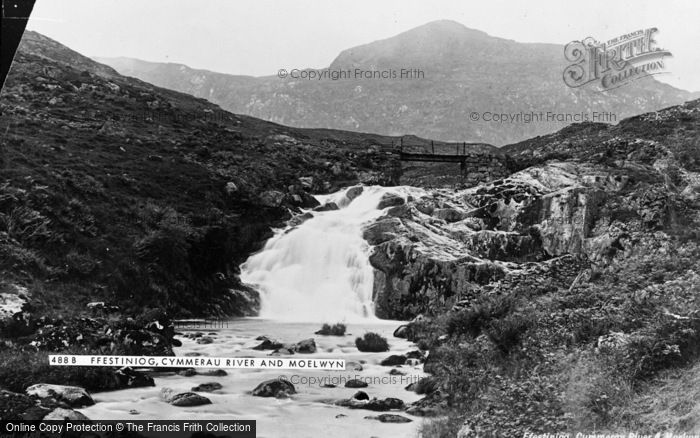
(373,404)
(403,331)
(183,399)
(360,395)
(356,383)
(129,378)
(393,360)
(61,414)
(328,206)
(268,344)
(207,387)
(214,373)
(274,388)
(390,418)
(305,346)
(205,340)
(390,200)
(284,351)
(73,396)
(354,192)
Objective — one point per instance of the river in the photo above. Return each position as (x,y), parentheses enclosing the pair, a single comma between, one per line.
(316,272)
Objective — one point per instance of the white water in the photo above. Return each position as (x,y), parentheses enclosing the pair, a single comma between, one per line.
(306,414)
(320,270)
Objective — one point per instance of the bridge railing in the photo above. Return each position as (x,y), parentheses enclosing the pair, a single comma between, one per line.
(442,148)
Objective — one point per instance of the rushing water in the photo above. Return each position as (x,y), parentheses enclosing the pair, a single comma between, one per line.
(315,272)
(307,413)
(320,270)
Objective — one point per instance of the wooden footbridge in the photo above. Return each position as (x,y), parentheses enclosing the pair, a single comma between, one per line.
(434,152)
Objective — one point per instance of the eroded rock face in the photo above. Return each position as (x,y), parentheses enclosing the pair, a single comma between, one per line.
(449,245)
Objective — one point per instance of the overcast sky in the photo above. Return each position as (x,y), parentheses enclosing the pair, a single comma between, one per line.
(258,37)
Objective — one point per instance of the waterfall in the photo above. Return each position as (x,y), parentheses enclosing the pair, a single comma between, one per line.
(319,270)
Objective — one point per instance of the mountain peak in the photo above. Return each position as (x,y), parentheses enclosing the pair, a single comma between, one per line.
(441,43)
(446,27)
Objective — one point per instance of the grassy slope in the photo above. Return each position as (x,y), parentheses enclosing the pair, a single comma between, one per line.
(615,351)
(115,190)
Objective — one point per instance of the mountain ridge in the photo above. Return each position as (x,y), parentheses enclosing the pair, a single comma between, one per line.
(463,71)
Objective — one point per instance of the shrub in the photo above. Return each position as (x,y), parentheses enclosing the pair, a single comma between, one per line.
(21,369)
(332,330)
(473,320)
(443,427)
(372,342)
(507,332)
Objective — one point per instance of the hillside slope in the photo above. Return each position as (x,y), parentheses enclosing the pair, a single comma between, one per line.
(116,190)
(465,71)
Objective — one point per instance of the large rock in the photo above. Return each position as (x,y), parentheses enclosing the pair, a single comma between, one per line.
(373,404)
(432,405)
(183,399)
(61,414)
(383,230)
(393,360)
(403,331)
(268,344)
(207,387)
(354,192)
(356,383)
(274,388)
(306,346)
(272,198)
(390,418)
(390,200)
(73,396)
(448,214)
(328,206)
(11,303)
(129,378)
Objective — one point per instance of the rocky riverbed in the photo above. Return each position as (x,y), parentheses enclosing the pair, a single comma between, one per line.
(367,399)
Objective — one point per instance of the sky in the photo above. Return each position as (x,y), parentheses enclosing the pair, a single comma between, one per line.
(259,37)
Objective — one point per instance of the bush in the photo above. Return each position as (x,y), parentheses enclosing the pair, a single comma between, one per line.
(22,369)
(332,330)
(473,320)
(507,332)
(372,342)
(443,427)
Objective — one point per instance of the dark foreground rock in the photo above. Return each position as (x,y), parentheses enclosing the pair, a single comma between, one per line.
(434,404)
(207,387)
(393,360)
(390,200)
(73,396)
(183,399)
(274,388)
(59,414)
(306,346)
(373,404)
(129,378)
(356,383)
(268,344)
(389,418)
